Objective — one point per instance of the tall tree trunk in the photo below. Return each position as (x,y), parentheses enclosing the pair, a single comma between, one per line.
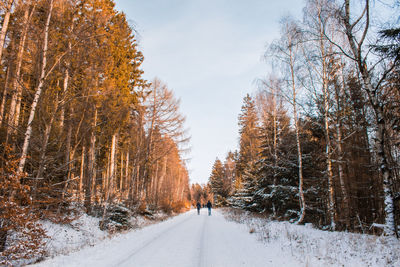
(162,177)
(127,181)
(121,179)
(65,85)
(299,153)
(111,174)
(328,146)
(83,163)
(15,106)
(328,154)
(65,89)
(46,138)
(377,105)
(4,27)
(39,89)
(346,202)
(90,168)
(4,98)
(275,147)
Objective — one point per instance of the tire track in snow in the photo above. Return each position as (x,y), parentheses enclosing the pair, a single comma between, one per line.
(150,241)
(202,255)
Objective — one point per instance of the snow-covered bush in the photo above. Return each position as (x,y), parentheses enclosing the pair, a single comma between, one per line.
(117,218)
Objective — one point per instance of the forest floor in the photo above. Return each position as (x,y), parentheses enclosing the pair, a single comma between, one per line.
(228,239)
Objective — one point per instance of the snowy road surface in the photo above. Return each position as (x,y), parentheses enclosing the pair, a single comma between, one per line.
(186,240)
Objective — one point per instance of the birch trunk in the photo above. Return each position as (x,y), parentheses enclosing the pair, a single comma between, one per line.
(275,145)
(111,174)
(296,126)
(39,89)
(328,147)
(4,27)
(65,89)
(377,105)
(339,141)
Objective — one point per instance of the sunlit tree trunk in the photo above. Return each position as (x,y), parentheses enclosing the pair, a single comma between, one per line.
(65,88)
(15,106)
(45,141)
(4,28)
(4,98)
(127,181)
(112,168)
(38,92)
(90,166)
(83,163)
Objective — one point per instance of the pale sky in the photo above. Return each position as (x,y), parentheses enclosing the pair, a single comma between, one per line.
(209,52)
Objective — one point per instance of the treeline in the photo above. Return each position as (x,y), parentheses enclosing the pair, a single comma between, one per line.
(79,126)
(200,193)
(319,142)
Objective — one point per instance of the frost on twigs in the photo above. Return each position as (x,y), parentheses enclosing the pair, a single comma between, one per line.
(21,236)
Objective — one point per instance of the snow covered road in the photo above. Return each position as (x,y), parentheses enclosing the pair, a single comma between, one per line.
(186,240)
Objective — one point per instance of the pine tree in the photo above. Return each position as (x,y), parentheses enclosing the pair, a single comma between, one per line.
(249,136)
(216,181)
(248,155)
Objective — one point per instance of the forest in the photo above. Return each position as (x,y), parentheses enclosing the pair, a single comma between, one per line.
(82,132)
(319,139)
(80,129)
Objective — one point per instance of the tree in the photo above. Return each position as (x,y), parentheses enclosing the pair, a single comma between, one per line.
(38,92)
(286,50)
(217,183)
(374,89)
(249,134)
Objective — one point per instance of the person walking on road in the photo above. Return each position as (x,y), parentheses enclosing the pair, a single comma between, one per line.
(209,207)
(198,208)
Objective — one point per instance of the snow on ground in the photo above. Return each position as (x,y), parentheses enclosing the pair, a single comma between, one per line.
(64,239)
(185,240)
(313,247)
(84,231)
(219,240)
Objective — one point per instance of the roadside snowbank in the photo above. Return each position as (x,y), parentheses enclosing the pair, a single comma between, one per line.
(66,238)
(85,231)
(314,247)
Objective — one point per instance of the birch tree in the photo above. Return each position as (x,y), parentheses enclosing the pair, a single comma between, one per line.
(287,51)
(318,53)
(358,52)
(38,92)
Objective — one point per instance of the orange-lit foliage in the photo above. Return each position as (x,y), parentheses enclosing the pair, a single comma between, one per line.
(21,236)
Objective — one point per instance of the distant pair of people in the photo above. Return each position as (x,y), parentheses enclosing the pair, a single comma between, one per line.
(209,206)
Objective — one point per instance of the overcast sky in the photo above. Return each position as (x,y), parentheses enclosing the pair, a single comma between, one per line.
(209,52)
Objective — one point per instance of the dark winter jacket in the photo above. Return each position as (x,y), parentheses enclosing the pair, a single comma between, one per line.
(198,205)
(209,205)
